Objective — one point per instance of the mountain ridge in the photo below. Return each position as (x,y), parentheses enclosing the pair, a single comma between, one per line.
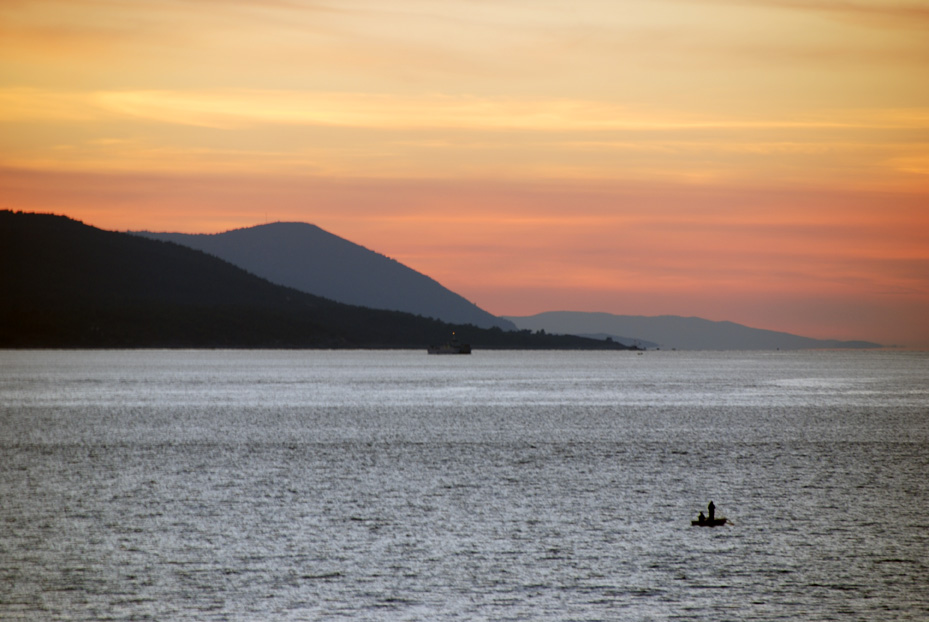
(675,332)
(310,259)
(69,285)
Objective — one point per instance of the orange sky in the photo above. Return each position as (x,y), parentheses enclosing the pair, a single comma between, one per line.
(764,161)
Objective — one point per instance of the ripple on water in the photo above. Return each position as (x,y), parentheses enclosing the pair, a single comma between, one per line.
(242,486)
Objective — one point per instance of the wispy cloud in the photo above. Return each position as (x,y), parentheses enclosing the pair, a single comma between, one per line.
(913,13)
(29,104)
(238,108)
(341,135)
(872,13)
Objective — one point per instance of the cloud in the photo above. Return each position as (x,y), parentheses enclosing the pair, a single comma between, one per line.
(873,8)
(443,137)
(238,108)
(19,104)
(873,13)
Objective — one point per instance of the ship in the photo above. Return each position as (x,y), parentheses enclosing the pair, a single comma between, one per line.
(453,346)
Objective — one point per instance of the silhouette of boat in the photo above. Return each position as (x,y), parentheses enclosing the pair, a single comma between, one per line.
(452,347)
(716,522)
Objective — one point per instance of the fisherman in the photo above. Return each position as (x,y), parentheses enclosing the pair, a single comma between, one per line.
(701,519)
(712,511)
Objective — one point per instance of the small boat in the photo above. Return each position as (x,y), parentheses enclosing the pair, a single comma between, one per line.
(716,522)
(452,347)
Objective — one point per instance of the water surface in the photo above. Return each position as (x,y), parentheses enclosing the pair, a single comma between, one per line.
(301,485)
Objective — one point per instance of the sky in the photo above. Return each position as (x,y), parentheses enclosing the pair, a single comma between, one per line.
(759,161)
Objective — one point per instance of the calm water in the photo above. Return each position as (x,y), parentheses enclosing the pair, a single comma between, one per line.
(192,485)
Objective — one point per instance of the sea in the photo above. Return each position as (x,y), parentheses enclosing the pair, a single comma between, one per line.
(177,485)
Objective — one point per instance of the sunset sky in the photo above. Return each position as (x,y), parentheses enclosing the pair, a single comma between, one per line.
(760,161)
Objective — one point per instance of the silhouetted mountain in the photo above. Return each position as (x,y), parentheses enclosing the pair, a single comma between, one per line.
(682,333)
(64,284)
(306,258)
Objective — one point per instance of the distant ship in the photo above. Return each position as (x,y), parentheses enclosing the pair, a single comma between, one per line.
(452,347)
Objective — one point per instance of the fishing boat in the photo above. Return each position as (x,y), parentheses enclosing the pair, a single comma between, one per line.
(706,522)
(710,520)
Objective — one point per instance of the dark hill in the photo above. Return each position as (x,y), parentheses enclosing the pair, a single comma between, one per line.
(68,285)
(309,259)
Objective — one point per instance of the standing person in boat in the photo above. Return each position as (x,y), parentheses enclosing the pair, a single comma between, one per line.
(711,509)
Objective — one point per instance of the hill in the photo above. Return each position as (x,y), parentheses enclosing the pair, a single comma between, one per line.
(69,285)
(309,259)
(683,333)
